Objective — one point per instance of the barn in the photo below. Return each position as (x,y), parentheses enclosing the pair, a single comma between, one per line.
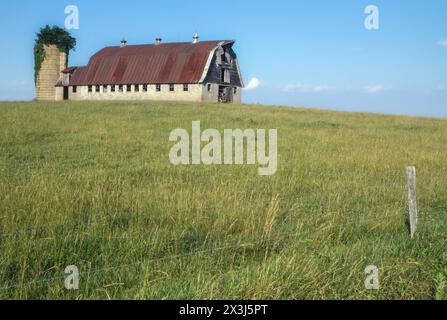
(198,71)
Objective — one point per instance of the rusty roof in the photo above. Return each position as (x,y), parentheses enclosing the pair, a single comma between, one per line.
(182,62)
(69,70)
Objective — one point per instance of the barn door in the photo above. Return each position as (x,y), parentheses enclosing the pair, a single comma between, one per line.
(66,93)
(225,94)
(221,96)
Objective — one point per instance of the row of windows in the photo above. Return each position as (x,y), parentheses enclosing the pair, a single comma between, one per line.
(145,87)
(128,88)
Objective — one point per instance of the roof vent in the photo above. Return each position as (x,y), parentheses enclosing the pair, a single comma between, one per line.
(195,38)
(157,40)
(123,43)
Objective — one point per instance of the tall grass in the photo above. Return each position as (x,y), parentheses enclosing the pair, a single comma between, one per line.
(90,184)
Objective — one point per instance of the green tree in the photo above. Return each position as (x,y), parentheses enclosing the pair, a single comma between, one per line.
(51,36)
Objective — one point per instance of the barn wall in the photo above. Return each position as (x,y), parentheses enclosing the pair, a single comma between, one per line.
(237,98)
(59,93)
(213,78)
(213,94)
(194,93)
(214,72)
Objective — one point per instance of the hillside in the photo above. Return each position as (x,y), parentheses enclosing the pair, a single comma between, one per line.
(91,184)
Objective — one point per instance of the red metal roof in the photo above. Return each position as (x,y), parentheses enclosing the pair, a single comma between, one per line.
(140,64)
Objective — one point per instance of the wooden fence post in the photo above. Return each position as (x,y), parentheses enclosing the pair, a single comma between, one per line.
(413,210)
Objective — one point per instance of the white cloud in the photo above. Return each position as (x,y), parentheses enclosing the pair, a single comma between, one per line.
(443,43)
(253,84)
(308,88)
(376,88)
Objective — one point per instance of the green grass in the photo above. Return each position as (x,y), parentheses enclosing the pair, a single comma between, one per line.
(90,184)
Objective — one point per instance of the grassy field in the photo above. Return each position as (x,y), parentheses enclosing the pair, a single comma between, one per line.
(90,184)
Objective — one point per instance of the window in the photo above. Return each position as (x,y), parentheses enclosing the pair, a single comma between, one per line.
(185,87)
(137,88)
(144,87)
(120,88)
(225,76)
(128,88)
(112,88)
(90,88)
(171,87)
(235,90)
(97,88)
(209,87)
(158,87)
(105,88)
(74,89)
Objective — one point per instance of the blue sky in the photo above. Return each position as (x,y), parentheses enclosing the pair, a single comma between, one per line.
(306,53)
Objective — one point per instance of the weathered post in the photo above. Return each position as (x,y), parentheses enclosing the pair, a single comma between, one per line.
(411,179)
